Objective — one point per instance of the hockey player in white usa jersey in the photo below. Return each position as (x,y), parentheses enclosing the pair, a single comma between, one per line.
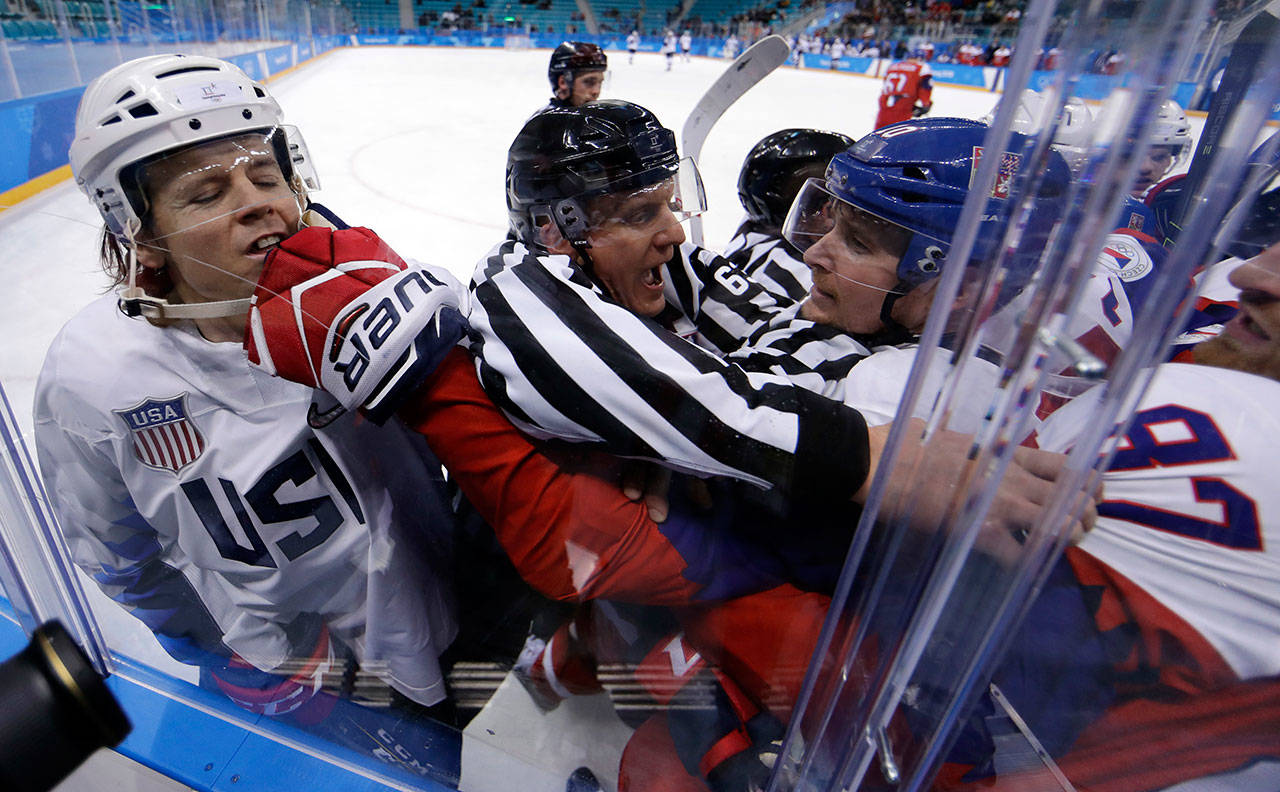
(771,175)
(192,487)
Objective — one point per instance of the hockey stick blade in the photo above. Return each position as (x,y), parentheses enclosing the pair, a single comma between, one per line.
(749,68)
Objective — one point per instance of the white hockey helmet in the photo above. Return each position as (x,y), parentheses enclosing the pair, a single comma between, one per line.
(1071,138)
(1172,129)
(159,103)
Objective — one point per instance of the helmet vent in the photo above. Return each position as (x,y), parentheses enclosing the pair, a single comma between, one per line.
(127,95)
(184,70)
(115,119)
(259,92)
(143,110)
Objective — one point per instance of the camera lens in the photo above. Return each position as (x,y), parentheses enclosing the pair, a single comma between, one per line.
(55,710)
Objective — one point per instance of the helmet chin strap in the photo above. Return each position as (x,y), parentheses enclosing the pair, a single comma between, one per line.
(588,266)
(893,332)
(136,302)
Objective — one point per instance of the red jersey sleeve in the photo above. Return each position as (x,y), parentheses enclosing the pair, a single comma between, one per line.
(564,522)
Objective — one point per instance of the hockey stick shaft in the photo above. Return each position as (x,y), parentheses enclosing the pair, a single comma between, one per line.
(752,66)
(1247,53)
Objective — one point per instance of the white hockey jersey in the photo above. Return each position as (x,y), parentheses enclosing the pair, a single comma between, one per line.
(1191,512)
(192,489)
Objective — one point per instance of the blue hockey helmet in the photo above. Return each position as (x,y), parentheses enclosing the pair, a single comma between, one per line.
(916,175)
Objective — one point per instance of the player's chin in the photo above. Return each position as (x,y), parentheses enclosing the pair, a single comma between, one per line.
(647,305)
(818,308)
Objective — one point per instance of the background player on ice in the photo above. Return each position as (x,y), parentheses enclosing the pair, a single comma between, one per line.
(730,50)
(633,44)
(577,73)
(773,172)
(686,45)
(907,92)
(669,45)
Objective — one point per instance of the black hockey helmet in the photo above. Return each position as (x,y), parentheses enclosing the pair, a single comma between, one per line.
(565,156)
(572,57)
(778,165)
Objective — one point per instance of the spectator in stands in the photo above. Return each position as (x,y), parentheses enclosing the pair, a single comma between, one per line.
(1000,55)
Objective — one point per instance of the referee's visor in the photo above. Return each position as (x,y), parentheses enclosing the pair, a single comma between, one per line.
(668,200)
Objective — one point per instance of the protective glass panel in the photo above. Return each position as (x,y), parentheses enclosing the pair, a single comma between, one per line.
(298,575)
(968,650)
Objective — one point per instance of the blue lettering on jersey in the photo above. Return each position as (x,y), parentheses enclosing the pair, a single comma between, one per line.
(1198,440)
(1203,442)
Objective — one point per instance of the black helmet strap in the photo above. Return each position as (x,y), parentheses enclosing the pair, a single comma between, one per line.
(893,332)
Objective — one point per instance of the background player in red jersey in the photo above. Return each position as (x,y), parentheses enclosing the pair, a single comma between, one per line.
(907,92)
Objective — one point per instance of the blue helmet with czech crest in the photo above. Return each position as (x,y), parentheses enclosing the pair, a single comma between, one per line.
(917,175)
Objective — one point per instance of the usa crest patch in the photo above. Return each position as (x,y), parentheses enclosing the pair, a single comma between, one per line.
(164,436)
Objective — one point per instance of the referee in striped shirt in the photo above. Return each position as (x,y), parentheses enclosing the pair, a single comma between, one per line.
(600,324)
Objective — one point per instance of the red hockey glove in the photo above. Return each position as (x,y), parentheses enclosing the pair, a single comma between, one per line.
(339,310)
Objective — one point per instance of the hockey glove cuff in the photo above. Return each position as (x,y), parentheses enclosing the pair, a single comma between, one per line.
(340,311)
(291,689)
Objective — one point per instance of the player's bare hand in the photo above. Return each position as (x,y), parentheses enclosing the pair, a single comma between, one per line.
(650,483)
(932,479)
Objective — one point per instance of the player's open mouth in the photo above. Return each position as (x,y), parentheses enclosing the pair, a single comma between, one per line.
(652,277)
(263,244)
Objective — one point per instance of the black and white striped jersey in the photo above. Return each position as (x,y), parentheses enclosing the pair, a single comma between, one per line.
(564,361)
(817,357)
(770,261)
